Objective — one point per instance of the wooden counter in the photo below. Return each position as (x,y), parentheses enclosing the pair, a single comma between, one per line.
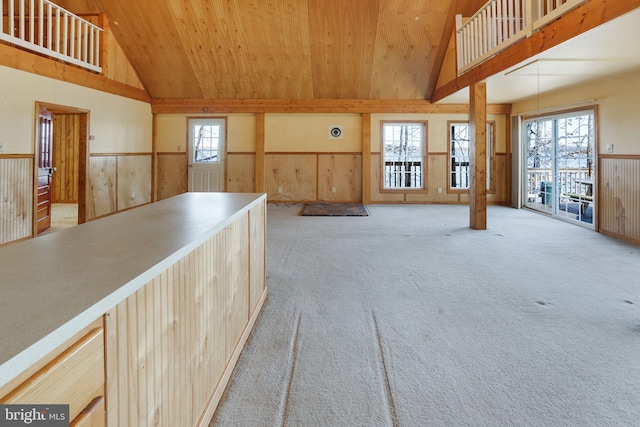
(177,285)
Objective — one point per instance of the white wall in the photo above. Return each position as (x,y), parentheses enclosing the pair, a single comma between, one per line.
(172,132)
(618,108)
(120,125)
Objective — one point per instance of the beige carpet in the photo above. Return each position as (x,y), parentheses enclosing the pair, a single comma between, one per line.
(409,318)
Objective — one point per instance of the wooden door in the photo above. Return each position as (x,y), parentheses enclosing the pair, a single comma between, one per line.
(45,170)
(66,152)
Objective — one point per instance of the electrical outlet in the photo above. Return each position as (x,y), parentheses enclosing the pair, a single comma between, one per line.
(439,190)
(279,189)
(609,148)
(133,195)
(333,189)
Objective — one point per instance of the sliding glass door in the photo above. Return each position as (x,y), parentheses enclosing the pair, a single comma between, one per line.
(560,173)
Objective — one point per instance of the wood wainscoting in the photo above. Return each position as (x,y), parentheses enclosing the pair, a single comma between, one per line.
(240,171)
(16,203)
(171,174)
(619,196)
(118,182)
(172,345)
(312,176)
(300,176)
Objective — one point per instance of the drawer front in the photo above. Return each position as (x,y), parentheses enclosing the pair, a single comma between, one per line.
(93,416)
(76,377)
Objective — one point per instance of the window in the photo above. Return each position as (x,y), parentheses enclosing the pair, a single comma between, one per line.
(206,136)
(404,145)
(459,167)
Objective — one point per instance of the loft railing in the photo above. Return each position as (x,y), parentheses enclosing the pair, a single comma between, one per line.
(500,23)
(46,28)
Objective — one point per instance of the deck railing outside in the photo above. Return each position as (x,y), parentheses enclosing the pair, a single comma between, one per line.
(569,182)
(46,28)
(500,23)
(406,173)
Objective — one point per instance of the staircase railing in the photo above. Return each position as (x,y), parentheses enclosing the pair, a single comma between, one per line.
(500,23)
(43,27)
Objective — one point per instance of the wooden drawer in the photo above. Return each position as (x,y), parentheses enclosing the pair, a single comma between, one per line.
(76,377)
(92,416)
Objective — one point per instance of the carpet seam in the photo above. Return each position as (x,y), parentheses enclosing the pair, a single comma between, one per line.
(382,365)
(283,410)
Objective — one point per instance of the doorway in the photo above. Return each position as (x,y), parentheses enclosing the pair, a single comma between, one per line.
(61,162)
(206,154)
(560,168)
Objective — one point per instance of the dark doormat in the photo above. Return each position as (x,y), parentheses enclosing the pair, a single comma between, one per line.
(334,209)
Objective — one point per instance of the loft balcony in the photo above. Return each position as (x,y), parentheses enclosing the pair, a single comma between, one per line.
(45,28)
(501,23)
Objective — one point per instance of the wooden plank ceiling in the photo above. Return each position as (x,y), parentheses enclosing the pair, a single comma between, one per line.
(283,49)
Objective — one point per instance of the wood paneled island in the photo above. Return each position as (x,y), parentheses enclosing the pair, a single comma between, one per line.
(142,315)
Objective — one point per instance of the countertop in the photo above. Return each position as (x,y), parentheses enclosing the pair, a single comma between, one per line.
(53,286)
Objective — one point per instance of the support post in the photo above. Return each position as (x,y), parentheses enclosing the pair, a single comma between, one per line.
(478,155)
(366,158)
(260,154)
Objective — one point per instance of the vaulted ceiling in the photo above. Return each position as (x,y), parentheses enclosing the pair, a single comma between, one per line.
(283,49)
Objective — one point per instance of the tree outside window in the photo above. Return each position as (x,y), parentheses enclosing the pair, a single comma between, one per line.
(404,145)
(459,166)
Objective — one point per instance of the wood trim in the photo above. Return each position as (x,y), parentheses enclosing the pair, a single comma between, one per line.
(154,159)
(492,185)
(103,22)
(225,166)
(508,165)
(621,237)
(260,186)
(313,153)
(182,153)
(83,166)
(580,20)
(193,106)
(43,66)
(425,157)
(120,154)
(619,156)
(17,156)
(366,158)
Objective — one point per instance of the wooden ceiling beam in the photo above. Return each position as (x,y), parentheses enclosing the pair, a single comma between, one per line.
(356,106)
(36,64)
(580,20)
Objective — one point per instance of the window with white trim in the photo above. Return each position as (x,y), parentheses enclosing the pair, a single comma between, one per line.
(404,148)
(459,167)
(206,136)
